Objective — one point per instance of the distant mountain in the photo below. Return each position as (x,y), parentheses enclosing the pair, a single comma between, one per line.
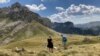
(89,25)
(63,27)
(70,28)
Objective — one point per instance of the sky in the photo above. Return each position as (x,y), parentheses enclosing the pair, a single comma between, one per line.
(76,11)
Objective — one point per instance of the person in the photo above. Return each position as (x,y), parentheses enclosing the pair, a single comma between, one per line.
(50,44)
(64,40)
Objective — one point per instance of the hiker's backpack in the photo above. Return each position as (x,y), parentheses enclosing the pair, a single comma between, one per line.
(64,39)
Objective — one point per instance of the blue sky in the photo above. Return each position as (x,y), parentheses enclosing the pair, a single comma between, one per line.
(77,11)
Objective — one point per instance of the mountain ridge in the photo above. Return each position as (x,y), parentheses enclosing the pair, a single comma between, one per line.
(89,25)
(18,22)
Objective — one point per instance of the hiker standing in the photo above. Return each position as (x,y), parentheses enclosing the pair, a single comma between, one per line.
(50,44)
(64,40)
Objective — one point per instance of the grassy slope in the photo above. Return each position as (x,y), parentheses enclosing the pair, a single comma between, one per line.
(37,43)
(28,31)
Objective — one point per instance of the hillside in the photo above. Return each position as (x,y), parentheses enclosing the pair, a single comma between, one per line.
(22,28)
(77,46)
(14,31)
(17,22)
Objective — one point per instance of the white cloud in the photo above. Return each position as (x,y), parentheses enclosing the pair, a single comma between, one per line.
(85,19)
(4,1)
(83,9)
(59,17)
(42,7)
(60,9)
(77,14)
(35,7)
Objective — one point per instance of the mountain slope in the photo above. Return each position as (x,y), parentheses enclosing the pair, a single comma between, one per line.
(17,23)
(18,30)
(89,25)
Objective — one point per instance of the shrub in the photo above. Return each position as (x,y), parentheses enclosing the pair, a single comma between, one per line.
(88,40)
